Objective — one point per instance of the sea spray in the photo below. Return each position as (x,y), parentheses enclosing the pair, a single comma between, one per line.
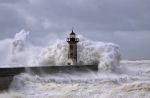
(133,84)
(19,48)
(19,42)
(20,52)
(106,55)
(107,85)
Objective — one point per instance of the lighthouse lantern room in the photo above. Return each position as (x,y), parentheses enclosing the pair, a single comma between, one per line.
(72,50)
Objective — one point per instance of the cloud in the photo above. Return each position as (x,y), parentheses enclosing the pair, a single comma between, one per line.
(103,15)
(96,19)
(10,21)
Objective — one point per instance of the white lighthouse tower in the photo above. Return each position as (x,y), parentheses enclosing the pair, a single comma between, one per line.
(72,51)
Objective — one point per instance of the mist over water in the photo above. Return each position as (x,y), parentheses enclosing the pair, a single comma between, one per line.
(113,80)
(17,51)
(21,52)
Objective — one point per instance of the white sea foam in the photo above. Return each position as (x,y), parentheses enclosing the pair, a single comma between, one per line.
(85,85)
(21,52)
(11,95)
(18,51)
(89,52)
(114,80)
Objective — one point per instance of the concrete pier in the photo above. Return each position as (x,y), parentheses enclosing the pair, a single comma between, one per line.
(7,74)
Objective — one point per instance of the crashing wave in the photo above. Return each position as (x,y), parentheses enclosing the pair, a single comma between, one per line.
(89,52)
(21,53)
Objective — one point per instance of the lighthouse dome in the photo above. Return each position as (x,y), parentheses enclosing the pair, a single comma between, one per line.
(72,34)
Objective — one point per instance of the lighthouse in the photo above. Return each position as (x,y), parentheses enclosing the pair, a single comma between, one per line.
(72,48)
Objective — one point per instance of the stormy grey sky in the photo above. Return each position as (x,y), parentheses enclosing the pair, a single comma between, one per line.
(124,22)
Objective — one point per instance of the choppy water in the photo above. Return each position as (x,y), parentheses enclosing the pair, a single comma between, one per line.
(132,81)
(125,80)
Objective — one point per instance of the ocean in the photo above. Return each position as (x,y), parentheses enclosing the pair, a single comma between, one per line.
(116,78)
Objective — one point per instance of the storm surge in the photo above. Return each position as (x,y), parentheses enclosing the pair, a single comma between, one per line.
(106,55)
(113,80)
(133,82)
(18,51)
